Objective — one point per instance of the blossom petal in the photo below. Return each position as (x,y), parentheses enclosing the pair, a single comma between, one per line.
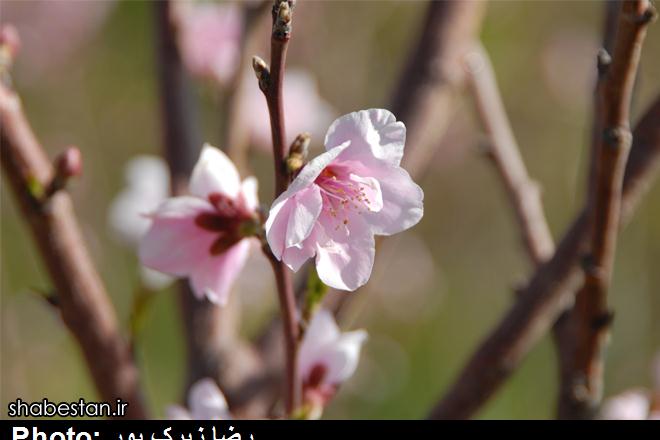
(344,261)
(214,277)
(206,401)
(342,360)
(629,405)
(174,244)
(403,202)
(153,279)
(276,225)
(294,257)
(311,171)
(177,412)
(214,173)
(249,191)
(322,331)
(373,133)
(307,205)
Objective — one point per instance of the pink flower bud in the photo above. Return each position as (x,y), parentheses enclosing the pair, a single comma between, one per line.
(69,163)
(10,40)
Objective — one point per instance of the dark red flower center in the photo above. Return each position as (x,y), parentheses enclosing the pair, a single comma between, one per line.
(227,221)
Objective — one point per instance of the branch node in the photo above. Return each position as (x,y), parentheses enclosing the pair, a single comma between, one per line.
(603,61)
(617,137)
(68,164)
(644,18)
(603,321)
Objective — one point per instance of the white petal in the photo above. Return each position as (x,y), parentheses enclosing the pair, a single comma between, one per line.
(206,401)
(214,173)
(307,206)
(153,279)
(629,405)
(344,261)
(343,356)
(322,331)
(373,133)
(403,202)
(177,412)
(250,190)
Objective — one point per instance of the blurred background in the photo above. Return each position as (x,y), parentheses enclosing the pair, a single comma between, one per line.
(86,74)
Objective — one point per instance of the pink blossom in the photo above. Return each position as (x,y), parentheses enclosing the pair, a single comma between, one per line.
(209,38)
(147,186)
(204,236)
(205,402)
(305,109)
(327,358)
(343,197)
(629,405)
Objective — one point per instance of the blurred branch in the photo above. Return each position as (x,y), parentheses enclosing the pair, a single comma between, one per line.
(81,297)
(214,348)
(550,289)
(235,136)
(524,193)
(591,318)
(424,95)
(271,82)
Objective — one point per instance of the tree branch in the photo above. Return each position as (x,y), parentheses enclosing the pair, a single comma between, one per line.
(524,193)
(425,92)
(271,82)
(214,348)
(549,291)
(81,297)
(590,318)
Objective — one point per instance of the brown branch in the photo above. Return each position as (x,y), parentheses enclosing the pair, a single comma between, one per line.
(425,92)
(81,297)
(214,348)
(271,82)
(591,317)
(524,193)
(549,291)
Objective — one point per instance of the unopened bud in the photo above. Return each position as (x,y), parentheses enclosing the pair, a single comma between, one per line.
(298,152)
(69,163)
(282,17)
(262,72)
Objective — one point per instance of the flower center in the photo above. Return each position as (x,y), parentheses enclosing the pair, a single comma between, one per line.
(228,220)
(345,193)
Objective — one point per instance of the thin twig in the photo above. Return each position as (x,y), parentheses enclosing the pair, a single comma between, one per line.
(524,193)
(591,317)
(549,291)
(214,348)
(81,296)
(270,83)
